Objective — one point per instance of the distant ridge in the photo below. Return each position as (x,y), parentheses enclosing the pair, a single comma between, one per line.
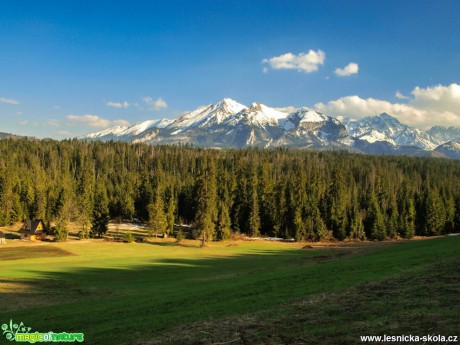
(230,124)
(4,135)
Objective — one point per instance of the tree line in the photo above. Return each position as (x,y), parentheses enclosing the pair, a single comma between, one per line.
(297,194)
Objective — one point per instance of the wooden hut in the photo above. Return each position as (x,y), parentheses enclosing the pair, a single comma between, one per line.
(33,230)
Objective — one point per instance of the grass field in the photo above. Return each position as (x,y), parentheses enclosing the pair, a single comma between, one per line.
(234,292)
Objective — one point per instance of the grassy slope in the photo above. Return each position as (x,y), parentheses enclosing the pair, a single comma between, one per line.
(115,293)
(420,302)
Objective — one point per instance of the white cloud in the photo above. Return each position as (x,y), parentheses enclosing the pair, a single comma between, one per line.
(9,101)
(19,113)
(288,109)
(438,105)
(88,120)
(351,68)
(117,104)
(155,104)
(439,97)
(303,62)
(24,122)
(93,121)
(357,107)
(400,95)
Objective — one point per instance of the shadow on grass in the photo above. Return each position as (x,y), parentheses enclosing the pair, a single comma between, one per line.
(171,244)
(119,304)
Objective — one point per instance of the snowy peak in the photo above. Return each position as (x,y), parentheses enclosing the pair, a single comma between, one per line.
(440,135)
(450,149)
(143,126)
(383,123)
(230,106)
(263,114)
(307,115)
(227,124)
(257,114)
(207,115)
(373,136)
(128,131)
(308,122)
(386,128)
(386,118)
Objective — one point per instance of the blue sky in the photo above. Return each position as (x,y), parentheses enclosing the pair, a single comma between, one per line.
(73,67)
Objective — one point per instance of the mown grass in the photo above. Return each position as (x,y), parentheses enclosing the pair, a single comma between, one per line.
(132,293)
(421,302)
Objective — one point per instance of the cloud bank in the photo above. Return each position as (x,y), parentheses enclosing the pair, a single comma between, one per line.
(436,105)
(94,121)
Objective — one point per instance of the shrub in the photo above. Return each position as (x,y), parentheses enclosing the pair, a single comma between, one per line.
(129,237)
(179,236)
(61,232)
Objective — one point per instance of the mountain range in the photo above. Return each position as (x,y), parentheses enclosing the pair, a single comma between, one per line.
(229,124)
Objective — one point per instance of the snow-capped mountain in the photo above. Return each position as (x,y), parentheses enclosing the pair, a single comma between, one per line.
(228,123)
(440,135)
(206,116)
(128,132)
(257,115)
(450,149)
(387,128)
(231,124)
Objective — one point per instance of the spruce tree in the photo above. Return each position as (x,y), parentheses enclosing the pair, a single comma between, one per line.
(337,205)
(206,210)
(407,218)
(434,213)
(355,222)
(101,217)
(223,222)
(375,220)
(322,234)
(254,215)
(157,218)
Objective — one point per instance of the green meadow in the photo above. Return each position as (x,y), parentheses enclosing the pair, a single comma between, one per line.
(237,292)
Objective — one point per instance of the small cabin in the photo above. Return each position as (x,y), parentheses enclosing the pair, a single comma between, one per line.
(2,238)
(33,230)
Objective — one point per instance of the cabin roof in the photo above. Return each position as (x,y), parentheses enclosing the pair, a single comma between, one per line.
(30,226)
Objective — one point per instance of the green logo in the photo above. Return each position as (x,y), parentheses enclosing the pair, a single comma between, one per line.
(22,333)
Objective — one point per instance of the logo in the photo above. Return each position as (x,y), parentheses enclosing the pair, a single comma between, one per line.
(21,333)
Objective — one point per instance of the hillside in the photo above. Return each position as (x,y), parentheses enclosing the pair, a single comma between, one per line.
(239,292)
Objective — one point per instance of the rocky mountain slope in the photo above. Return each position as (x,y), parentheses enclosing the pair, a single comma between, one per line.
(228,124)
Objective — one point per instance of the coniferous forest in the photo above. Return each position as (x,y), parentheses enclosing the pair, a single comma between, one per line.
(284,193)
